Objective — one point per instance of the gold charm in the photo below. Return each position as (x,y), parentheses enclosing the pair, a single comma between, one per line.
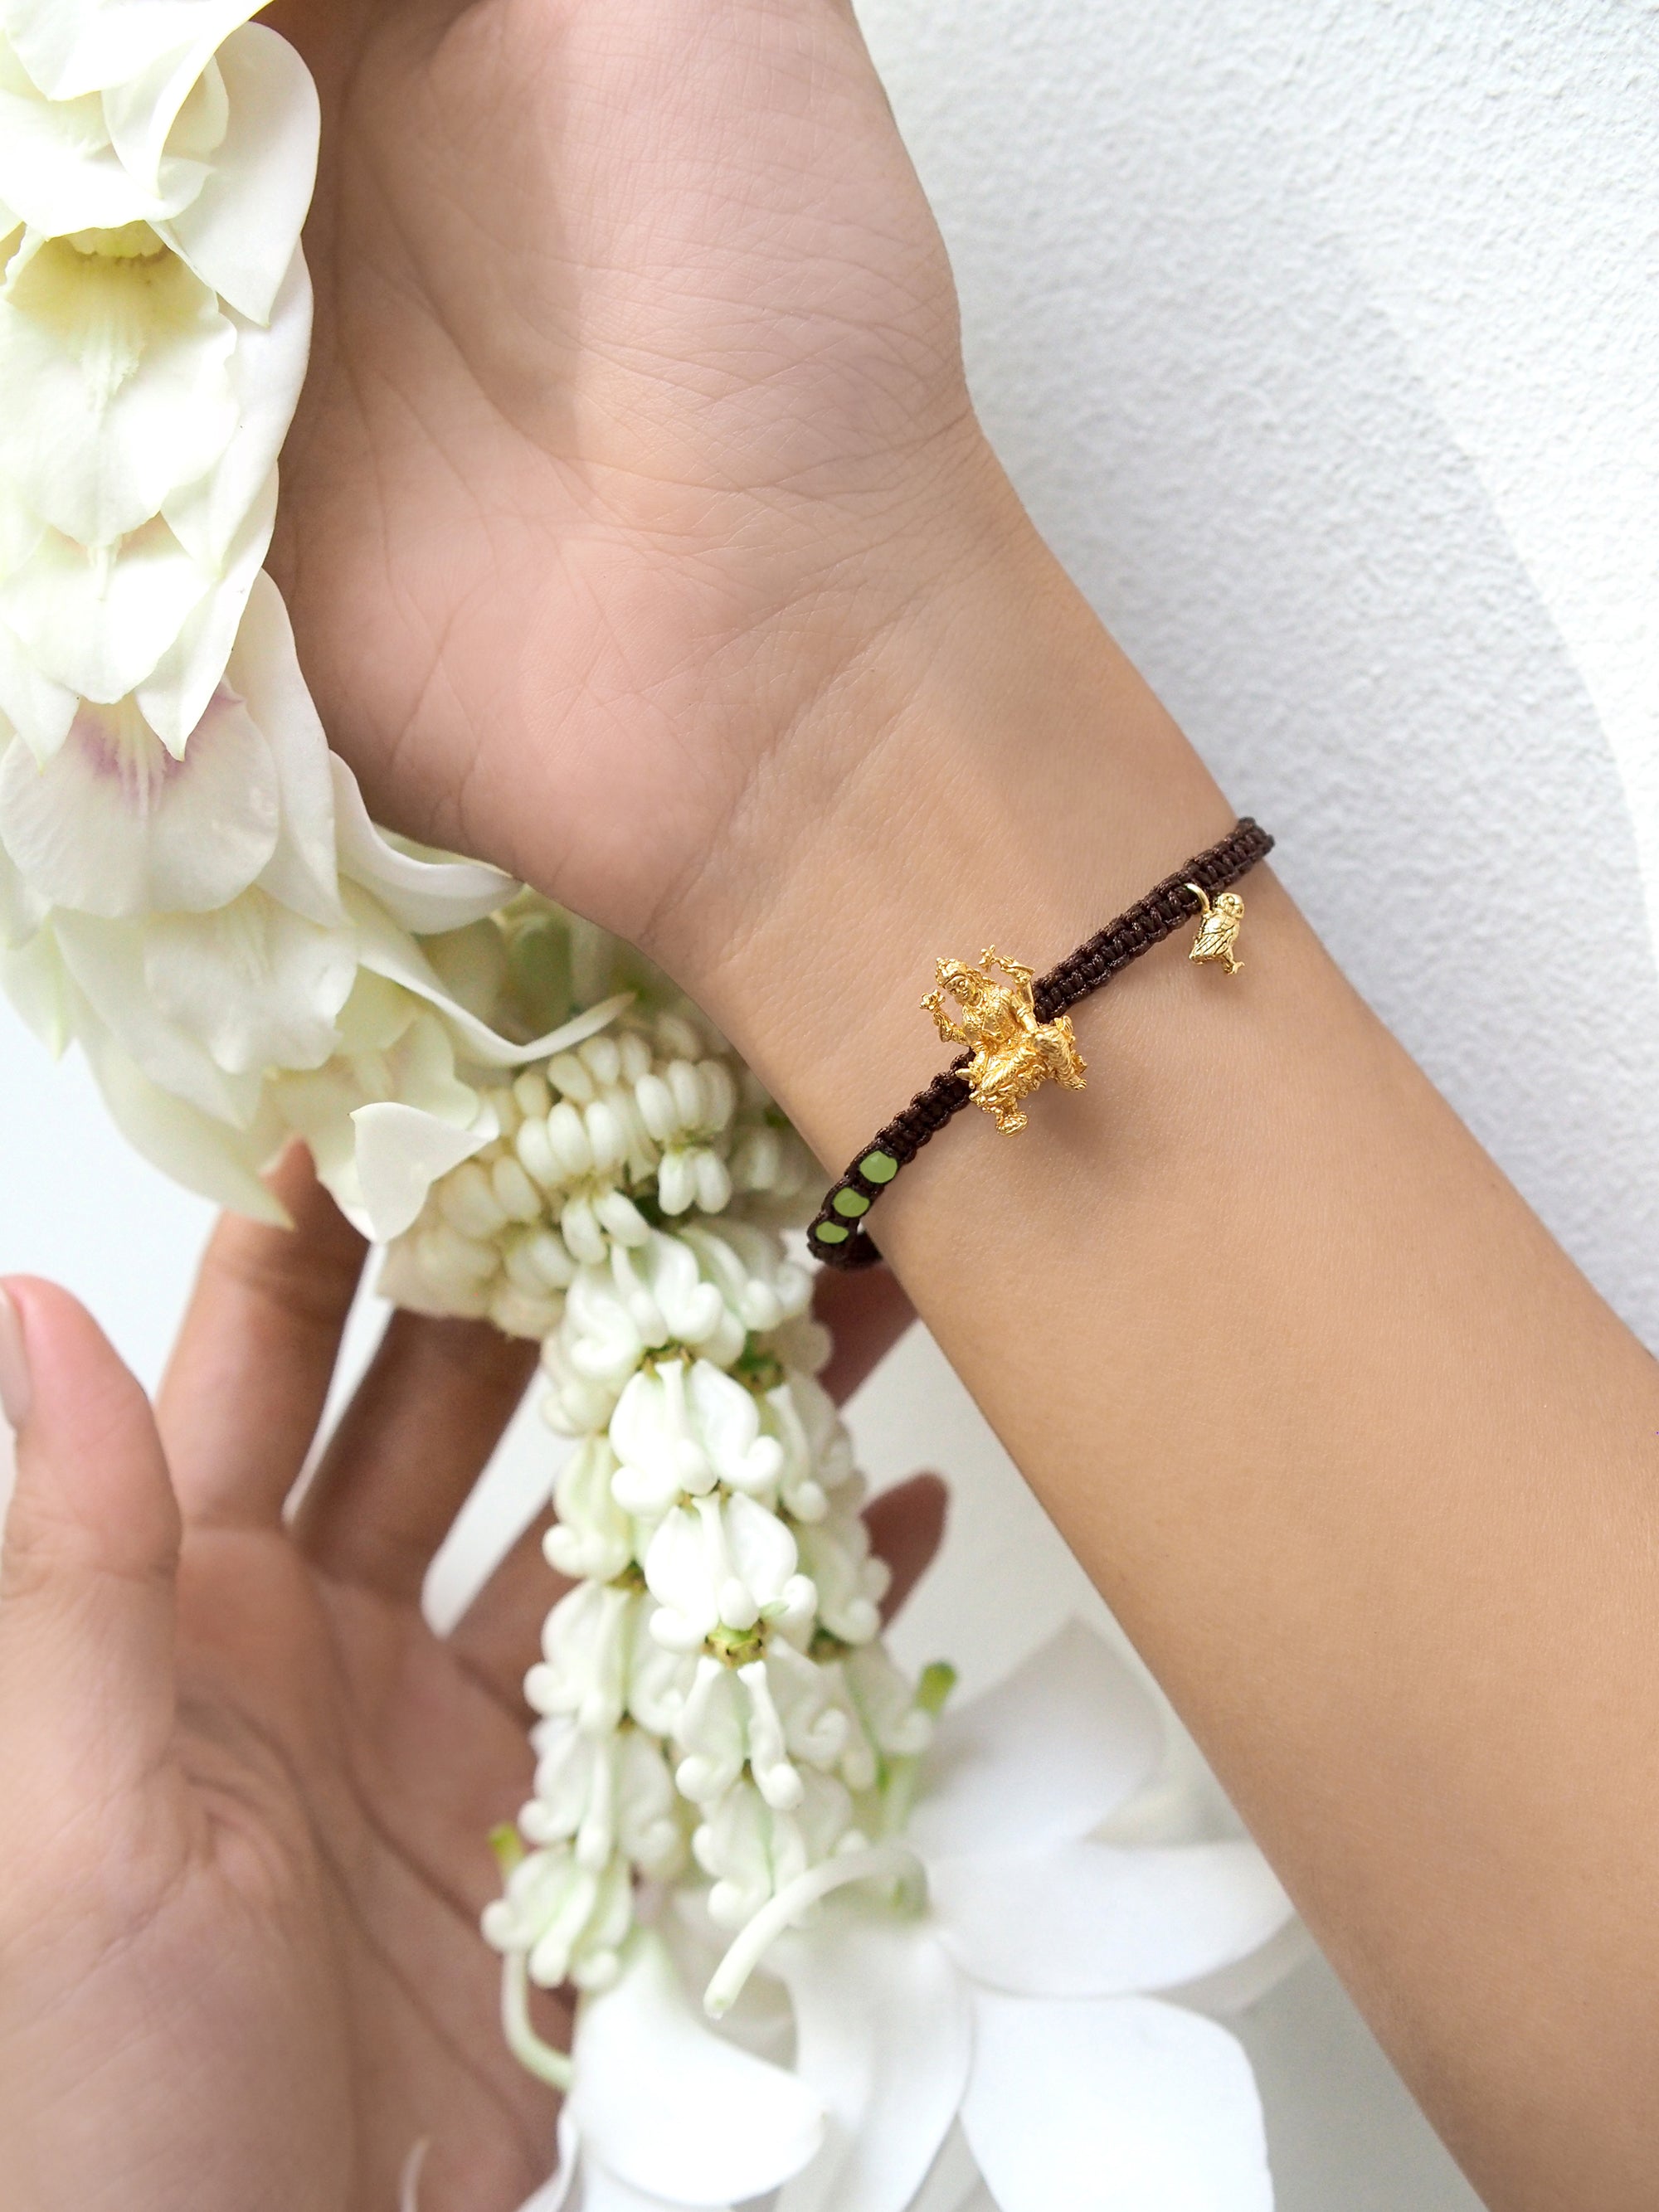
(1013,1053)
(1219,931)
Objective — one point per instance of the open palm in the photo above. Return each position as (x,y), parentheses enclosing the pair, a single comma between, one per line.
(245,1843)
(635,407)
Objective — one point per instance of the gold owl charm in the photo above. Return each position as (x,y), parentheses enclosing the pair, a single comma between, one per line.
(1013,1053)
(1219,931)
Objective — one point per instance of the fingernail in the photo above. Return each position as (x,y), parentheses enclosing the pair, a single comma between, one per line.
(16,1391)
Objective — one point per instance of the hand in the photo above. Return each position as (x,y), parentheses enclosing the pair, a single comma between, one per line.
(636,420)
(243,1838)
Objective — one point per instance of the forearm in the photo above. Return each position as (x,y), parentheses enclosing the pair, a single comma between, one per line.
(1360,1460)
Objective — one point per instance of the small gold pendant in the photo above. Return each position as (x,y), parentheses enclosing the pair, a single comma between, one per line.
(1013,1053)
(1219,931)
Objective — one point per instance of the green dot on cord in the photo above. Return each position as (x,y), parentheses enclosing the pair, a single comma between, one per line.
(831,1232)
(852,1203)
(879,1167)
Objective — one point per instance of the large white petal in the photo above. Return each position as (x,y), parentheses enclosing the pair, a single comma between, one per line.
(113,825)
(1119,2105)
(106,961)
(401,1152)
(219,1163)
(264,669)
(669,2107)
(1044,1758)
(100,621)
(387,951)
(265,370)
(141,111)
(258,985)
(72,46)
(953,2183)
(181,682)
(239,232)
(59,173)
(1106,1920)
(426,896)
(883,2037)
(602,2192)
(118,384)
(40,711)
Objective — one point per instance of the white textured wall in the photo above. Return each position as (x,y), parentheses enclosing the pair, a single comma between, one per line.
(1321,336)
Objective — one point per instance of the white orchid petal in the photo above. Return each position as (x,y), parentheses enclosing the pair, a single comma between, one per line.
(73,46)
(40,711)
(263,374)
(426,896)
(953,2183)
(35,981)
(59,172)
(1104,1920)
(117,371)
(239,232)
(1120,2105)
(219,1163)
(105,960)
(883,2037)
(264,669)
(1044,1758)
(258,985)
(387,951)
(602,2192)
(140,110)
(555,2193)
(113,825)
(668,2106)
(180,683)
(100,621)
(401,1153)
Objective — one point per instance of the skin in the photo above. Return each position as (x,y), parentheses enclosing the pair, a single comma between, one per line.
(248,1789)
(640,537)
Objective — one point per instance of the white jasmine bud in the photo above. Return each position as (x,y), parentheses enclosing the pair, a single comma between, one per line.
(570,1078)
(619,1218)
(567,1139)
(514,1193)
(468,1204)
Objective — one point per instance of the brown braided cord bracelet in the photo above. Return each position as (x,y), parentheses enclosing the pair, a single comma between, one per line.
(837,1234)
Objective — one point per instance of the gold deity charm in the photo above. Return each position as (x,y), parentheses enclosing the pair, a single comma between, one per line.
(1013,1053)
(1219,931)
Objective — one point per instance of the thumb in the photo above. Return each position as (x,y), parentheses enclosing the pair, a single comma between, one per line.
(90,1552)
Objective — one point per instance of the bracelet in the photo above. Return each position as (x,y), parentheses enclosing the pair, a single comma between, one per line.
(1017,1034)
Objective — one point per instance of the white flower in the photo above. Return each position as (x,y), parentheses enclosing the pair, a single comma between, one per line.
(232,943)
(723,1563)
(154,317)
(1020,1999)
(680,1427)
(663,2112)
(606,1794)
(566,1920)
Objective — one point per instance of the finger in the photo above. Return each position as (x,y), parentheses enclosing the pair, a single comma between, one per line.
(91,1550)
(409,1447)
(498,1636)
(867,1314)
(246,1386)
(906,1527)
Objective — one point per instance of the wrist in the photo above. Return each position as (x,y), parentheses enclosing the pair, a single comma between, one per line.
(992,770)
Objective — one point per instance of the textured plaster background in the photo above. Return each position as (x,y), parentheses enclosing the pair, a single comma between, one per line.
(1321,336)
